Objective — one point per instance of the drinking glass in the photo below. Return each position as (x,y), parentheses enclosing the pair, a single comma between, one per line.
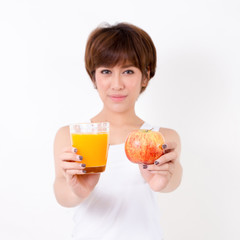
(91,141)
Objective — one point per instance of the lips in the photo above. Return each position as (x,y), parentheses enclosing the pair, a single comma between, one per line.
(117,97)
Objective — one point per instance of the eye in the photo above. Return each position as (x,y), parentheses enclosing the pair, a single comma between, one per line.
(128,71)
(105,71)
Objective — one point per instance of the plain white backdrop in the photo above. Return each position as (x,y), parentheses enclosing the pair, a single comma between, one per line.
(43,86)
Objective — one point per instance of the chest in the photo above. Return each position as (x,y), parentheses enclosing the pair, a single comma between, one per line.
(120,173)
(118,135)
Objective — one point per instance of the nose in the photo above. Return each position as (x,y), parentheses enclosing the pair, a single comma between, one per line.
(117,82)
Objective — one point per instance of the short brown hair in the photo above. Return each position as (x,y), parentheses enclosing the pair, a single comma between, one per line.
(121,43)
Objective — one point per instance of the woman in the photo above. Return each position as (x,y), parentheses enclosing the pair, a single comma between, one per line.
(121,202)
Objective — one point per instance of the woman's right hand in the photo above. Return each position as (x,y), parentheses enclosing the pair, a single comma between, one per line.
(78,181)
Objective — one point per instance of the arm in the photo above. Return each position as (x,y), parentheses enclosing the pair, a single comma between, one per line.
(71,185)
(166,173)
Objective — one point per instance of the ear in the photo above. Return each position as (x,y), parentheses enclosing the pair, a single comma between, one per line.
(94,82)
(144,82)
(146,79)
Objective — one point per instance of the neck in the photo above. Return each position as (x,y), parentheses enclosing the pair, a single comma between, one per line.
(117,119)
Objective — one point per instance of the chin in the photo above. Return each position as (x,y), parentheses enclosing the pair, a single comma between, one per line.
(118,108)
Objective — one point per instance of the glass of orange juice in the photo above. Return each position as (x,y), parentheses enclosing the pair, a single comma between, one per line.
(91,141)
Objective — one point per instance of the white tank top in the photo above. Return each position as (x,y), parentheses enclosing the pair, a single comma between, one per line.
(122,206)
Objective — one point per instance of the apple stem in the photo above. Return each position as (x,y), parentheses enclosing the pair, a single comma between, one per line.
(146,130)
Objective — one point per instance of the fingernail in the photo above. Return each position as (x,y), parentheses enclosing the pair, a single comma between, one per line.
(83,165)
(144,166)
(84,171)
(156,162)
(164,146)
(80,157)
(75,150)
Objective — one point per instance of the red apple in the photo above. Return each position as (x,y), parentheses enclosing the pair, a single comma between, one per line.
(144,146)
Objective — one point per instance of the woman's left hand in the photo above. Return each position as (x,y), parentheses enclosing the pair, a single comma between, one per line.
(160,174)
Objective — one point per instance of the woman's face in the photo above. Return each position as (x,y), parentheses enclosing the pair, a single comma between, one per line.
(119,86)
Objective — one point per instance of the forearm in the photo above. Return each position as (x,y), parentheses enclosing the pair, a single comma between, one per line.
(64,195)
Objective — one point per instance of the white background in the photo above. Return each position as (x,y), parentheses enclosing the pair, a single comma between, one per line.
(43,86)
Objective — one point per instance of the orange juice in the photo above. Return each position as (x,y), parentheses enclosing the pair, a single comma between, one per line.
(94,149)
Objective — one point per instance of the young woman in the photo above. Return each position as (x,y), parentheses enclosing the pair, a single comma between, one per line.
(119,203)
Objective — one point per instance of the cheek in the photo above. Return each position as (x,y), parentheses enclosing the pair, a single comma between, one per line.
(135,85)
(101,84)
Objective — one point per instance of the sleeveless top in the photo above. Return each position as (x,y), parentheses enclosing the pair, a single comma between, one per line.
(122,206)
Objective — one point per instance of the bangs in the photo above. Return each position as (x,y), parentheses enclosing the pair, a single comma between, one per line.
(118,49)
(112,57)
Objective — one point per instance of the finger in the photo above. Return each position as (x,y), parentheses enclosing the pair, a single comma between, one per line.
(164,167)
(169,167)
(68,156)
(169,146)
(72,172)
(70,149)
(163,173)
(167,157)
(72,166)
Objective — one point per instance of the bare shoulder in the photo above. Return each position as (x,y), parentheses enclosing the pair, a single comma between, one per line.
(170,134)
(62,141)
(172,139)
(62,138)
(63,131)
